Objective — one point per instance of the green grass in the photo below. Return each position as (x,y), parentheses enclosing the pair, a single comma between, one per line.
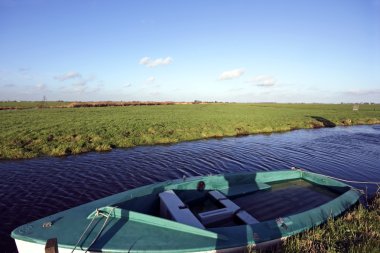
(62,131)
(356,231)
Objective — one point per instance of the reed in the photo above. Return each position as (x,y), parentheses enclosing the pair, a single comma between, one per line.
(356,231)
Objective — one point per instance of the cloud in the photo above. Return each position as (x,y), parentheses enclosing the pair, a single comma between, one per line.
(23,69)
(151,63)
(9,85)
(127,85)
(361,92)
(41,86)
(151,79)
(76,89)
(80,86)
(231,74)
(155,94)
(68,75)
(25,73)
(235,89)
(80,83)
(263,81)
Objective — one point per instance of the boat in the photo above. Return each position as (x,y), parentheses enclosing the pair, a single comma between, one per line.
(215,213)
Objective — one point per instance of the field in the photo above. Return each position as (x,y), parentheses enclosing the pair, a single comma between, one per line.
(62,131)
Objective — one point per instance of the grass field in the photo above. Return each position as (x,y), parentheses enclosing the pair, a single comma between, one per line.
(62,131)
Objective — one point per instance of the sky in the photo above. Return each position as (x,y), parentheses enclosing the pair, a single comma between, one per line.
(325,51)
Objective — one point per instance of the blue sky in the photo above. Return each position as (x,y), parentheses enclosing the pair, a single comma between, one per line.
(245,51)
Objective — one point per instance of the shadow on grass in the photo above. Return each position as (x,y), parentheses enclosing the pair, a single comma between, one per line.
(325,122)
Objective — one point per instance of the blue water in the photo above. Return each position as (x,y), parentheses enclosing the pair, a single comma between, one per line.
(32,189)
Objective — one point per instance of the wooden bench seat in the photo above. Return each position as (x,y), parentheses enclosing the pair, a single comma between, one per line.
(230,209)
(172,207)
(244,189)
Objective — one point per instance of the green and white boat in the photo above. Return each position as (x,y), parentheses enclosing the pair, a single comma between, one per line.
(216,213)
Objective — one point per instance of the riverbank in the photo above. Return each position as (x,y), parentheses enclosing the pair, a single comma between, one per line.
(63,131)
(356,231)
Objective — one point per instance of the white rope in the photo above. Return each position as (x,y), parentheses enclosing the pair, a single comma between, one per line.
(84,232)
(98,212)
(101,229)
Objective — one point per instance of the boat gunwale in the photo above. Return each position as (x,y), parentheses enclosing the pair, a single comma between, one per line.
(330,209)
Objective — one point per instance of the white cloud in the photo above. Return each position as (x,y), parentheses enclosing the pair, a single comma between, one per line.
(9,85)
(23,69)
(361,92)
(151,79)
(145,61)
(151,63)
(81,86)
(81,83)
(41,86)
(79,89)
(231,74)
(68,75)
(127,85)
(263,81)
(235,89)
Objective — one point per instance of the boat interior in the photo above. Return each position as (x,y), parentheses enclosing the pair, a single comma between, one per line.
(237,205)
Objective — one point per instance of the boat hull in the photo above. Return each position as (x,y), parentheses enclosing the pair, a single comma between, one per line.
(29,247)
(129,221)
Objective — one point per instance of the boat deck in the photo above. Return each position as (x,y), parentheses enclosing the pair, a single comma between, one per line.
(284,199)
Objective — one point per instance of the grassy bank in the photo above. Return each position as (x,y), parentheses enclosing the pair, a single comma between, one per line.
(356,231)
(62,131)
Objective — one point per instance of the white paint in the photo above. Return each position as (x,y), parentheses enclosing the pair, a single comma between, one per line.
(30,247)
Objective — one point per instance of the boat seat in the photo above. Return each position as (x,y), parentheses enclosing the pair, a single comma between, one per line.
(232,191)
(172,207)
(217,195)
(246,217)
(230,209)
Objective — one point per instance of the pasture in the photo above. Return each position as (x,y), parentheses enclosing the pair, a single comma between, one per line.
(62,131)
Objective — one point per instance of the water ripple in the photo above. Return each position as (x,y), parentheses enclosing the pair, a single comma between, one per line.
(31,189)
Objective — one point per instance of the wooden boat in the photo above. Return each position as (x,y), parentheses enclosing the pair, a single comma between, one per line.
(219,213)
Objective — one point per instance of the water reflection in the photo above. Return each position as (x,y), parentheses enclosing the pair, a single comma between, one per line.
(31,189)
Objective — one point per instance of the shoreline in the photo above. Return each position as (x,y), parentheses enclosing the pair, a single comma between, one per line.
(56,132)
(172,143)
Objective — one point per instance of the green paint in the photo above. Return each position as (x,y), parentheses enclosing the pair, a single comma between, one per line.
(130,231)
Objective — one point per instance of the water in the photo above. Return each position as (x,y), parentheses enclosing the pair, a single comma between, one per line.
(32,189)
